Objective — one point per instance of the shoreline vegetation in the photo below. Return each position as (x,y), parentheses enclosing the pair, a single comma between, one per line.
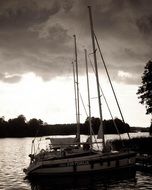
(141,145)
(20,127)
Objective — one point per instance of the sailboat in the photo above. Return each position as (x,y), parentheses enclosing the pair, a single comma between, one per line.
(70,156)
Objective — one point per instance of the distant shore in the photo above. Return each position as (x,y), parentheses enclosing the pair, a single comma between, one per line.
(19,127)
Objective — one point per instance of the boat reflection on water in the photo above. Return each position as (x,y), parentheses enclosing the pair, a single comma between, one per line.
(96,181)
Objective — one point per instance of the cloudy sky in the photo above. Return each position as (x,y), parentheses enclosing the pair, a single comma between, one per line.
(37,48)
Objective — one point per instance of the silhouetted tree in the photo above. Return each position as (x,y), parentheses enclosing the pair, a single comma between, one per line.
(17,127)
(34,127)
(145,90)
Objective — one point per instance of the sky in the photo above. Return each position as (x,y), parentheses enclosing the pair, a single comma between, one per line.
(37,49)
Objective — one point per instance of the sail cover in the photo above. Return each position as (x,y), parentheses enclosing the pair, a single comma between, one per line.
(62,142)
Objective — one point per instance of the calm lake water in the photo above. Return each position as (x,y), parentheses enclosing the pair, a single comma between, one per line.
(14,157)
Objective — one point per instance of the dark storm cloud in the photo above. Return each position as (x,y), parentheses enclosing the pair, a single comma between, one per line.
(36,36)
(125,29)
(26,41)
(26,12)
(145,24)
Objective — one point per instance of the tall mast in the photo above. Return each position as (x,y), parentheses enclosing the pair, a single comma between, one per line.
(90,124)
(77,88)
(75,95)
(96,73)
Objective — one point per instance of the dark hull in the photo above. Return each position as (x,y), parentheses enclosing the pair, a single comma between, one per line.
(127,171)
(108,164)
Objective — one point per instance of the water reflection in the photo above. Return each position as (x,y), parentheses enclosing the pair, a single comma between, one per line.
(94,182)
(14,157)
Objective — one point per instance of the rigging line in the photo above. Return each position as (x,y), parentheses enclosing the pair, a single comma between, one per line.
(110,80)
(105,100)
(83,105)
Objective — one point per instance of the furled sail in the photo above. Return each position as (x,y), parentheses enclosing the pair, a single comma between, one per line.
(100,132)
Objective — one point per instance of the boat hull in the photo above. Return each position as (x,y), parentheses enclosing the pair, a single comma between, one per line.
(107,163)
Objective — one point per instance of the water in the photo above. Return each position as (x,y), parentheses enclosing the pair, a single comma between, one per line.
(14,157)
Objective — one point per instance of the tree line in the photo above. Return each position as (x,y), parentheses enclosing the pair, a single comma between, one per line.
(20,127)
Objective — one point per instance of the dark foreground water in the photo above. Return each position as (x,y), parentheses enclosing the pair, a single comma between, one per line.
(14,157)
(141,182)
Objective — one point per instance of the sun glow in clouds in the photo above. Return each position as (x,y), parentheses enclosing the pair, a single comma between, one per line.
(34,97)
(124,74)
(54,102)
